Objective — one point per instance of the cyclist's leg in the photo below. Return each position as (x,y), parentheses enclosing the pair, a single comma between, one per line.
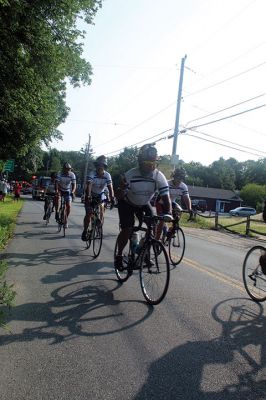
(45,207)
(86,221)
(126,219)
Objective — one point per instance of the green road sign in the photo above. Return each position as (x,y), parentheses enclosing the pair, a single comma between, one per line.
(9,166)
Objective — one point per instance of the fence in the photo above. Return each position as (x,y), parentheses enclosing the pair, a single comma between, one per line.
(248,222)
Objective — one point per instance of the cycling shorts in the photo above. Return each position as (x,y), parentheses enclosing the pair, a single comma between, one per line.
(127,213)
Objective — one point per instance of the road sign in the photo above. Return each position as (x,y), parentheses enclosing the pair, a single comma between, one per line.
(9,166)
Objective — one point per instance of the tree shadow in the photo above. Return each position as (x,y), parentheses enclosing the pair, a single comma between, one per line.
(222,368)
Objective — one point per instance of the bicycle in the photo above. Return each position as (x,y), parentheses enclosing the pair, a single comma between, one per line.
(62,219)
(49,209)
(174,238)
(150,259)
(95,230)
(254,273)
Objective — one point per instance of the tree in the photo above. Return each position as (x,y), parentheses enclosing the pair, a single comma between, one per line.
(253,195)
(40,46)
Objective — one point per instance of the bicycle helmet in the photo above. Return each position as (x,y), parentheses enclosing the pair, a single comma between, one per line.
(147,153)
(67,166)
(179,174)
(101,160)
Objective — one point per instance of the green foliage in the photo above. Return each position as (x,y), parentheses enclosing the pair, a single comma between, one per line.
(7,294)
(40,47)
(253,194)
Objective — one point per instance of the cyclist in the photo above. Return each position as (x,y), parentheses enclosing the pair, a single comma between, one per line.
(137,188)
(65,185)
(50,192)
(97,183)
(177,189)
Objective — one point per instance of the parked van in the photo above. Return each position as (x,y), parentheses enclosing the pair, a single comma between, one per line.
(38,187)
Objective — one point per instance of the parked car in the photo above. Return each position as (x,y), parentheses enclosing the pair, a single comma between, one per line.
(199,205)
(27,190)
(243,211)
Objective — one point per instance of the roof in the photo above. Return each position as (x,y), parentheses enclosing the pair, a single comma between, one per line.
(212,193)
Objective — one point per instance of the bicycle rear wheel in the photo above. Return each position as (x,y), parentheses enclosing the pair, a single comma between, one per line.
(176,246)
(123,275)
(254,275)
(154,272)
(97,237)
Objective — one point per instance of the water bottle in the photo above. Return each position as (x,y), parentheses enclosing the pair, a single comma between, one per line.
(134,242)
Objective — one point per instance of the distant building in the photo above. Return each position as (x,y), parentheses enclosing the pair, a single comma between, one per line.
(220,200)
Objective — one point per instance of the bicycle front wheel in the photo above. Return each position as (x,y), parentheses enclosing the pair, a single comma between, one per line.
(48,213)
(154,272)
(97,237)
(176,246)
(254,274)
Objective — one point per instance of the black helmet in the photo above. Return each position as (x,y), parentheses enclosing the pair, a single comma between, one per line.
(67,166)
(147,153)
(179,173)
(101,160)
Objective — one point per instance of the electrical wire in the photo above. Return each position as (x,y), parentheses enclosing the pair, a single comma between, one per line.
(230,142)
(227,117)
(227,108)
(226,80)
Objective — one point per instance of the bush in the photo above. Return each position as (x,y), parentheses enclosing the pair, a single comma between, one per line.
(7,294)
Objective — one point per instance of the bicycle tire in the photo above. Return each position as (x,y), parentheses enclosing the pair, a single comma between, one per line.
(49,212)
(176,246)
(253,276)
(123,275)
(154,272)
(97,237)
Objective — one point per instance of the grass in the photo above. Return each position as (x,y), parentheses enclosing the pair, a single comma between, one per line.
(9,210)
(234,224)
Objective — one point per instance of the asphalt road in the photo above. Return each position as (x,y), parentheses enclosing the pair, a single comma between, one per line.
(76,333)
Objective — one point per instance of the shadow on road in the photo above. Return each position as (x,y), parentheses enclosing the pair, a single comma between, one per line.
(187,371)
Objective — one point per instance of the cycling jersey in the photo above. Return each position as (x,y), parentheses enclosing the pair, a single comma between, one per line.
(142,188)
(181,190)
(65,181)
(99,183)
(50,190)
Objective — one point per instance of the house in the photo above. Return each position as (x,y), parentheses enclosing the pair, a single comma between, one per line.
(220,200)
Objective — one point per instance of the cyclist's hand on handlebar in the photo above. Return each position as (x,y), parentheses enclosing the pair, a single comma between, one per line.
(112,203)
(191,215)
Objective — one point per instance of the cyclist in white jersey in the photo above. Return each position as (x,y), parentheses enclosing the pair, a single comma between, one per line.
(138,187)
(65,185)
(97,183)
(177,189)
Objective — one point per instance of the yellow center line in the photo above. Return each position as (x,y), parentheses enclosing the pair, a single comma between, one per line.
(215,274)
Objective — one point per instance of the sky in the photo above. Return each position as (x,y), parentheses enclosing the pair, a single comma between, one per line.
(136,48)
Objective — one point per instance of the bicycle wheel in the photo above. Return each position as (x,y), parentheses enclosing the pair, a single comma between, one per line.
(97,237)
(254,275)
(176,246)
(154,272)
(49,212)
(123,275)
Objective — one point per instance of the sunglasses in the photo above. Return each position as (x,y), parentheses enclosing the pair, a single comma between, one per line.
(149,163)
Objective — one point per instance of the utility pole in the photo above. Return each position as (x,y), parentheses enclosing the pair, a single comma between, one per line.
(87,153)
(179,98)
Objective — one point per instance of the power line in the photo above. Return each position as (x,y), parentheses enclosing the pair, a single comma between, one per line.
(228,141)
(227,108)
(224,145)
(142,141)
(227,79)
(224,118)
(136,126)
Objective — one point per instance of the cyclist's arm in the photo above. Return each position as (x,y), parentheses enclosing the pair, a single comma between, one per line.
(111,191)
(88,191)
(187,202)
(74,186)
(167,203)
